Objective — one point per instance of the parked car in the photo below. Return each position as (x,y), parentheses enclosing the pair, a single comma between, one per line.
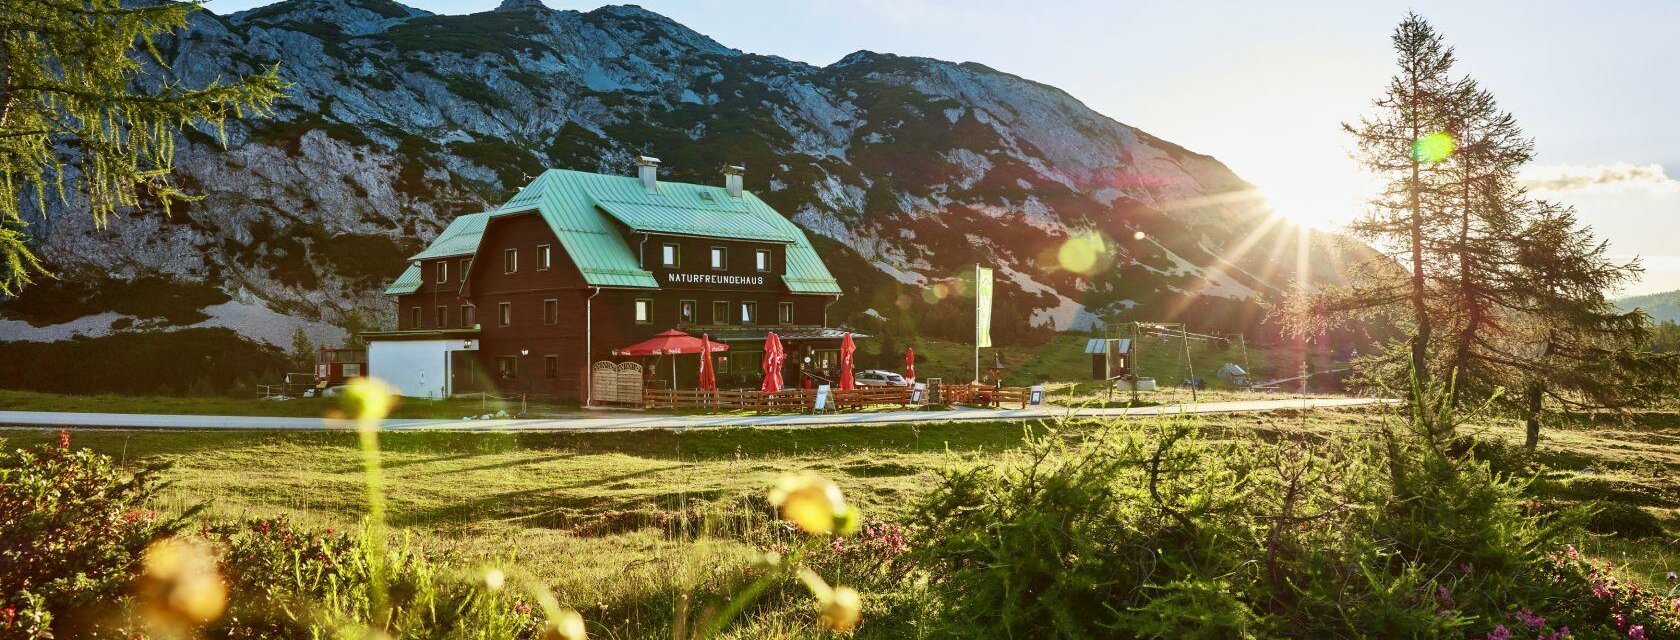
(879,378)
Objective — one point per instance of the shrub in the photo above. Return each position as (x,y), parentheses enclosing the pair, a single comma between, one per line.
(72,527)
(1152,532)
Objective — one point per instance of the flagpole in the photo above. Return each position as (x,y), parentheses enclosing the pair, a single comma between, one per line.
(977,323)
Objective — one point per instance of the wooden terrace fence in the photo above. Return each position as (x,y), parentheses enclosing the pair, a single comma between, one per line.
(805,399)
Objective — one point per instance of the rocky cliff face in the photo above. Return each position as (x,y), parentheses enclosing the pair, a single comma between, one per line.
(905,170)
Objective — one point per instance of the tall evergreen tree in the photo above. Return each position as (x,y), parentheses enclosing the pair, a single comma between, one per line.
(74,118)
(1582,351)
(1403,142)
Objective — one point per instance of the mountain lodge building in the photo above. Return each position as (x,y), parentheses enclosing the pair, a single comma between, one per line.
(523,298)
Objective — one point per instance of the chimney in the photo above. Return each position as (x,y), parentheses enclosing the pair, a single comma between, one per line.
(647,168)
(732,180)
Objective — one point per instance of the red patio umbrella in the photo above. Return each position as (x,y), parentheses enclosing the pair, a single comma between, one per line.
(708,373)
(846,351)
(910,365)
(669,343)
(773,356)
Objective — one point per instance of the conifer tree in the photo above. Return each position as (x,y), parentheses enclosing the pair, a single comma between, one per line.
(1582,351)
(1403,143)
(75,120)
(303,351)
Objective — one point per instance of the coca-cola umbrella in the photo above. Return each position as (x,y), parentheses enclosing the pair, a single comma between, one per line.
(773,357)
(669,343)
(846,351)
(708,373)
(910,365)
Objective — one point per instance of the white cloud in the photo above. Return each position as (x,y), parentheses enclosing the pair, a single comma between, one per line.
(1619,176)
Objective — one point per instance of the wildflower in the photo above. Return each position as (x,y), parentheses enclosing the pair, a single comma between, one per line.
(63,439)
(839,608)
(814,504)
(179,587)
(1464,569)
(1499,633)
(1571,552)
(1637,632)
(568,626)
(9,615)
(1531,619)
(1445,596)
(844,608)
(1673,576)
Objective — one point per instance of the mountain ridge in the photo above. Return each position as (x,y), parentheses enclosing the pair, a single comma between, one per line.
(904,169)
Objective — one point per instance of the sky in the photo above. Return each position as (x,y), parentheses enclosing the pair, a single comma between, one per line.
(1264,86)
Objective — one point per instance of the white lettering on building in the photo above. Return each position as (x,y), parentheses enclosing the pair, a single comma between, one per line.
(713,278)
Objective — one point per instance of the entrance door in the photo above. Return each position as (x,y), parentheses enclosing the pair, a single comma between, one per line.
(466,375)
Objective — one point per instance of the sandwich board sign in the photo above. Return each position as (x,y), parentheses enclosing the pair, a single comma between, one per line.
(1035,395)
(822,398)
(918,392)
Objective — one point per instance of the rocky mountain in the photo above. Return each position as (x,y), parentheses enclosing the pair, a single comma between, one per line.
(905,170)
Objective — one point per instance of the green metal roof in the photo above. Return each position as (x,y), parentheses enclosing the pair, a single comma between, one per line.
(408,282)
(460,238)
(584,210)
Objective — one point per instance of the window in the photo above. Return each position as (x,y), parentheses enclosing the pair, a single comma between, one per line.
(551,367)
(551,312)
(720,312)
(644,312)
(544,257)
(507,367)
(504,313)
(686,312)
(784,312)
(510,261)
(761,259)
(442,317)
(467,319)
(749,312)
(466,266)
(414,318)
(670,256)
(720,258)
(442,272)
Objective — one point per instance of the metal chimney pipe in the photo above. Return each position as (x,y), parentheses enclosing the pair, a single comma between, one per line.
(647,168)
(732,177)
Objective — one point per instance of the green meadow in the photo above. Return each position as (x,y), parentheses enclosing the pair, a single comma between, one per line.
(619,523)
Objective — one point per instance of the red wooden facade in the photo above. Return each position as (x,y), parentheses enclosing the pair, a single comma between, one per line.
(531,310)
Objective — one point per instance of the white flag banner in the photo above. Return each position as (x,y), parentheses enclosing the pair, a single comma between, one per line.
(982,307)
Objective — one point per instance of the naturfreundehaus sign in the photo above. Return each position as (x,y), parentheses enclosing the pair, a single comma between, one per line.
(714,278)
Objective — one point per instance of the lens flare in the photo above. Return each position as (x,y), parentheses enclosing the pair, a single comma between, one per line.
(1081,253)
(1139,235)
(1433,147)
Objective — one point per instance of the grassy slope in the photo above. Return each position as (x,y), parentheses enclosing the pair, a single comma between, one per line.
(223,406)
(478,497)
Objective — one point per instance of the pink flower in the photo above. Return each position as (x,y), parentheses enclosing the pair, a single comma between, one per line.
(1673,576)
(1637,632)
(1530,619)
(1571,552)
(63,439)
(1499,633)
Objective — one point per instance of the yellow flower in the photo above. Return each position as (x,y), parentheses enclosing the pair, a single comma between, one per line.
(369,399)
(812,503)
(179,587)
(841,610)
(567,626)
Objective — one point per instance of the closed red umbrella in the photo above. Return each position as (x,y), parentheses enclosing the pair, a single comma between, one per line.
(846,351)
(708,373)
(910,365)
(773,356)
